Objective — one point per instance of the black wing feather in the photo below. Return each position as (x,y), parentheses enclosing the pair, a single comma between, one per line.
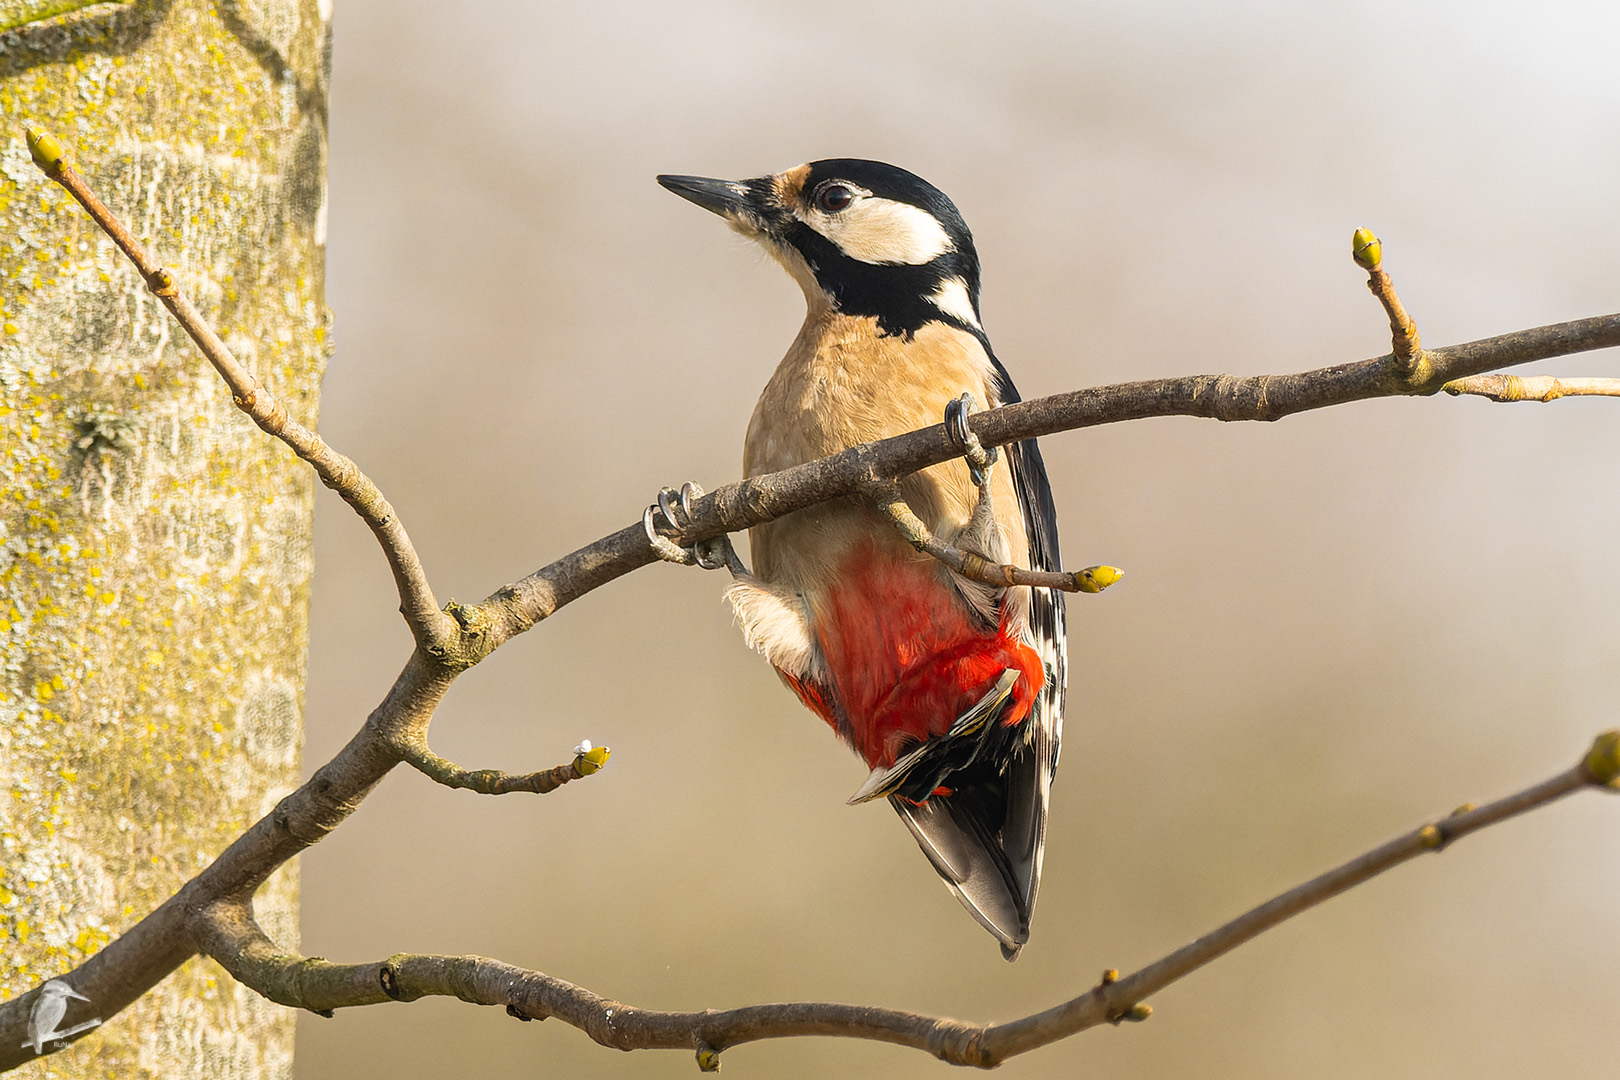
(987,838)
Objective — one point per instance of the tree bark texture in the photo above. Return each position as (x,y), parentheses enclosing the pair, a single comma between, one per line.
(154,546)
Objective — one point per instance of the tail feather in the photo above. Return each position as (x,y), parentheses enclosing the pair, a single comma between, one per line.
(965,836)
(1028,786)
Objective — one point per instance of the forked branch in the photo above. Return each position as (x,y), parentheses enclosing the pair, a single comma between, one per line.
(212,913)
(421,611)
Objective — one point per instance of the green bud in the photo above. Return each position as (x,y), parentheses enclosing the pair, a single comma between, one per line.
(1603,760)
(591,760)
(1366,249)
(1094,579)
(46,151)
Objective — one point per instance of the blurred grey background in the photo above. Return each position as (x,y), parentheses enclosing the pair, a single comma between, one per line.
(1332,627)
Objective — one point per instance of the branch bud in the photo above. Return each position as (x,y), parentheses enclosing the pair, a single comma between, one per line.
(1134,1015)
(46,151)
(1602,762)
(588,759)
(1366,249)
(1094,579)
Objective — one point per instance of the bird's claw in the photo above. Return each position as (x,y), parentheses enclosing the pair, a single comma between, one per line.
(977,457)
(676,509)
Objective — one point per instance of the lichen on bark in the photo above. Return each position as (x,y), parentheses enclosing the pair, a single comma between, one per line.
(154,545)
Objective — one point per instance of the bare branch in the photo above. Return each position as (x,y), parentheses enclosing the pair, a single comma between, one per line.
(428,625)
(1531,387)
(587,760)
(515,608)
(237,943)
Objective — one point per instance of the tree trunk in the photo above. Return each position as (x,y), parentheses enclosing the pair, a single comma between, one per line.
(154,545)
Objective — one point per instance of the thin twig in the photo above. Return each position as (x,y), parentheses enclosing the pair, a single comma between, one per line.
(428,624)
(1531,387)
(1368,252)
(587,760)
(233,939)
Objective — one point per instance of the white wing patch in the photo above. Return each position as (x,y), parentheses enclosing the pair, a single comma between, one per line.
(881,231)
(952,298)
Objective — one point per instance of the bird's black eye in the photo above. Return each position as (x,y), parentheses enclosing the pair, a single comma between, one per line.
(834,197)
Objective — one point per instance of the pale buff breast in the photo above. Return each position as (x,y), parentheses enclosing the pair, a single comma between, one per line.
(841,384)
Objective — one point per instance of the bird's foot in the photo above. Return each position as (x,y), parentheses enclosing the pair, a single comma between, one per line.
(676,510)
(977,457)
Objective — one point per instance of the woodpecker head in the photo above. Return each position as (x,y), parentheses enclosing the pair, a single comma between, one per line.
(861,237)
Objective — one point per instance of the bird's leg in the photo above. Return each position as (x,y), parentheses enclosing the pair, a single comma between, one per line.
(981,525)
(775,621)
(676,509)
(889,500)
(978,458)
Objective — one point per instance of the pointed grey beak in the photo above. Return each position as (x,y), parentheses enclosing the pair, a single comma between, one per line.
(728,198)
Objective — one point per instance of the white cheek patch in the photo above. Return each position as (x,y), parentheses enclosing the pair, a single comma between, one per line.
(952,298)
(878,230)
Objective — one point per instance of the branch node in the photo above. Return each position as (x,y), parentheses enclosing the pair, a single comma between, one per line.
(1431,837)
(518,1014)
(388,979)
(708,1058)
(961,1044)
(161,283)
(974,1053)
(472,618)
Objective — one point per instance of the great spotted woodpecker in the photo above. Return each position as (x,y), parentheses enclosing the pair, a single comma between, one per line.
(951,690)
